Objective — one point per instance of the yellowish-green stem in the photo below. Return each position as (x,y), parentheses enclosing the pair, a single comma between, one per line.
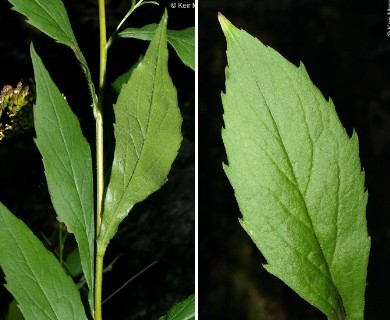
(99,115)
(100,158)
(98,285)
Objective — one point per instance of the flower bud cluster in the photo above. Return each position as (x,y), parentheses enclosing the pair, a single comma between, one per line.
(16,108)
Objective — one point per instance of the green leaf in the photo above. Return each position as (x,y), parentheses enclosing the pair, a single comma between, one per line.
(296,175)
(34,276)
(49,16)
(147,134)
(73,263)
(184,310)
(14,312)
(68,165)
(183,41)
(123,78)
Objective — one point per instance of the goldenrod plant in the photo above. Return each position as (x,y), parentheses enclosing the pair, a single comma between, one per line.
(147,134)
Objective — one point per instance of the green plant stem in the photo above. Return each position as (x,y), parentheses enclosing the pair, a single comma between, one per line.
(99,115)
(100,171)
(98,285)
(134,5)
(100,158)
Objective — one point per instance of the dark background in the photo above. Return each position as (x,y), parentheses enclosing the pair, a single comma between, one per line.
(160,229)
(346,50)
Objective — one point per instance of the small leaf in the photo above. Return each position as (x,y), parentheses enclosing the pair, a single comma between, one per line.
(110,266)
(124,78)
(296,175)
(14,312)
(183,41)
(147,134)
(143,33)
(68,165)
(34,276)
(73,263)
(49,16)
(184,310)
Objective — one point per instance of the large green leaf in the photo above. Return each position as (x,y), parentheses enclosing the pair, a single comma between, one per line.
(147,134)
(183,41)
(34,276)
(49,16)
(68,165)
(296,175)
(184,310)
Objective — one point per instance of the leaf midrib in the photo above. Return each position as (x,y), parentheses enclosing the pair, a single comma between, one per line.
(76,185)
(36,277)
(65,23)
(113,217)
(243,54)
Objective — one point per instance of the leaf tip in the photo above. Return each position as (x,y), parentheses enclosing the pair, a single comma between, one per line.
(220,17)
(165,16)
(224,22)
(32,49)
(227,27)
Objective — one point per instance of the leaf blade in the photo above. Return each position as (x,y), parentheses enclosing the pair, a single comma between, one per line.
(290,158)
(68,165)
(183,41)
(34,276)
(184,310)
(49,16)
(147,134)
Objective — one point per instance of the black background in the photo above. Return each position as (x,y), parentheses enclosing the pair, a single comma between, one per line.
(346,50)
(159,229)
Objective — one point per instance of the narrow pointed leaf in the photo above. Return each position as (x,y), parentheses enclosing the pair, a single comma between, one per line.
(147,134)
(34,276)
(184,310)
(183,41)
(49,16)
(68,166)
(297,177)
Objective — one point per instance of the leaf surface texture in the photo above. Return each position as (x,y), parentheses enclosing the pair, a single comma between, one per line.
(296,175)
(184,310)
(34,276)
(147,134)
(68,165)
(49,16)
